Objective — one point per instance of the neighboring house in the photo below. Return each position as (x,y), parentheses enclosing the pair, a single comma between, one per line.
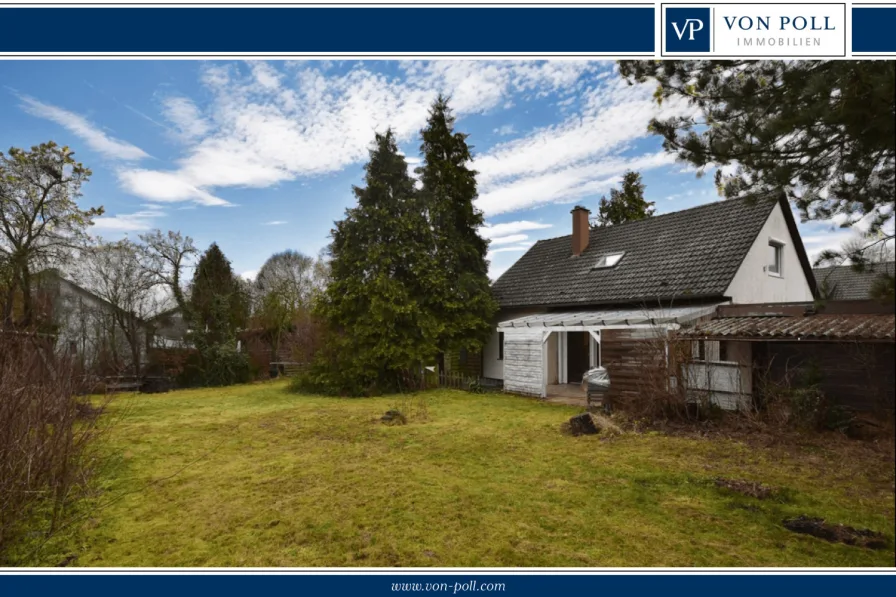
(594,297)
(84,324)
(168,329)
(844,283)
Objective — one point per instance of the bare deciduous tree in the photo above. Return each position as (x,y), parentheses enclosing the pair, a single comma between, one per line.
(168,255)
(284,290)
(290,275)
(124,274)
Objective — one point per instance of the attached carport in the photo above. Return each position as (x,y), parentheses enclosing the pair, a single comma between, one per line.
(527,359)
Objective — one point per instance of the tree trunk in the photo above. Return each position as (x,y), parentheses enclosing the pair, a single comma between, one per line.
(10,301)
(27,306)
(134,340)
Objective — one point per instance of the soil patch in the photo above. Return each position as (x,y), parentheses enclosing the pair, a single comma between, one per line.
(748,488)
(582,424)
(394,417)
(836,533)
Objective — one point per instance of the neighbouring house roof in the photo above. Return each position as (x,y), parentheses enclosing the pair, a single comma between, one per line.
(166,313)
(611,317)
(693,253)
(843,283)
(823,326)
(56,276)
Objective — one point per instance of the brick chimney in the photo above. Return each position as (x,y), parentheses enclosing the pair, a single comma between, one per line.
(580,229)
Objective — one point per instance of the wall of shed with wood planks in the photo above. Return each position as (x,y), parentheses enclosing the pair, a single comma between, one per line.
(524,362)
(855,375)
(625,354)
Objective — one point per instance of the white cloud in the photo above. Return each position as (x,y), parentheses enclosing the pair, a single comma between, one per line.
(95,138)
(165,187)
(583,155)
(508,228)
(264,126)
(507,240)
(141,220)
(563,185)
(479,86)
(249,275)
(275,223)
(507,129)
(509,237)
(514,249)
(186,118)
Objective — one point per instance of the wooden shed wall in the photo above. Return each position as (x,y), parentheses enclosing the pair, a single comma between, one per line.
(624,354)
(469,364)
(855,375)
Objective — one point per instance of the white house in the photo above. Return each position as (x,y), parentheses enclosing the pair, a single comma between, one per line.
(579,301)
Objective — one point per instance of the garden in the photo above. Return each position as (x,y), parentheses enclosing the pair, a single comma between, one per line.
(255,475)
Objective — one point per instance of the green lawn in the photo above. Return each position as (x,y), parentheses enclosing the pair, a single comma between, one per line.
(256,476)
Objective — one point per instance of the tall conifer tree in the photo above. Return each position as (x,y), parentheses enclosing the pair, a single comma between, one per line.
(218,302)
(461,295)
(375,302)
(626,204)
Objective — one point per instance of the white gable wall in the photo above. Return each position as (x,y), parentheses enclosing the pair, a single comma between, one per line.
(753,284)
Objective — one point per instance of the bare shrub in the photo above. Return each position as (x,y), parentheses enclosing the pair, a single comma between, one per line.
(414,406)
(793,397)
(606,426)
(44,430)
(664,389)
(789,399)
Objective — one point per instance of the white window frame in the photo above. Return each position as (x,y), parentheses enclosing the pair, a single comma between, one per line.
(779,258)
(606,257)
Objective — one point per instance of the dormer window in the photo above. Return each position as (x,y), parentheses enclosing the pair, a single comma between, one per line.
(608,260)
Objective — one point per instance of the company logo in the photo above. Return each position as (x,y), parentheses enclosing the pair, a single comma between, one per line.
(691,26)
(687,29)
(755,30)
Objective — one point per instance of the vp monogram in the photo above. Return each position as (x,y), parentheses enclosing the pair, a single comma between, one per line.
(687,29)
(691,26)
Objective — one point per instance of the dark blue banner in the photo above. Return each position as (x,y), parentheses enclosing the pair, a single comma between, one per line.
(874,29)
(742,585)
(579,30)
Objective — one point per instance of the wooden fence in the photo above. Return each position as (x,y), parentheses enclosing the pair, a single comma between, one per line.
(415,381)
(287,368)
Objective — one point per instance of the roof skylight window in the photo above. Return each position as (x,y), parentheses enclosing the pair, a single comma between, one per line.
(608,260)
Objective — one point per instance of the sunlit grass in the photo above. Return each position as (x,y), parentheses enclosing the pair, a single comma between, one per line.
(256,476)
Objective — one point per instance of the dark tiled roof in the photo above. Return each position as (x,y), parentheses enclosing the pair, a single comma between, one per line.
(843,283)
(689,253)
(809,327)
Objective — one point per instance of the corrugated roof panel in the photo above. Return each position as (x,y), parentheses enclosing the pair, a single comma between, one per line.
(821,327)
(611,317)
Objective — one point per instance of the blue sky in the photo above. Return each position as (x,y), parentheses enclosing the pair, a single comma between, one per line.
(261,156)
